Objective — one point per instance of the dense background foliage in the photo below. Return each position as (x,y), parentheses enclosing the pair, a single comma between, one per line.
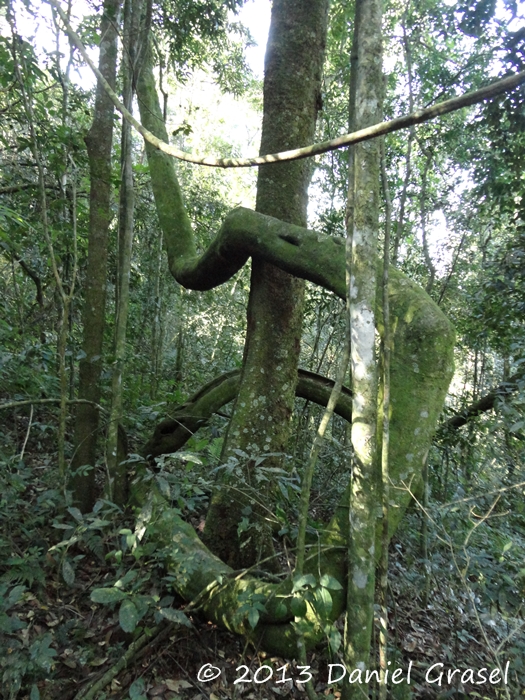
(457,188)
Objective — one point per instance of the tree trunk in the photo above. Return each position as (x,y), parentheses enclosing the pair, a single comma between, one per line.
(117,476)
(386,349)
(99,142)
(422,349)
(411,137)
(262,414)
(63,298)
(423,213)
(366,90)
(157,321)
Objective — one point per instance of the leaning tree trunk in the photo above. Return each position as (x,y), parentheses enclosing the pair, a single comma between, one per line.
(99,142)
(262,415)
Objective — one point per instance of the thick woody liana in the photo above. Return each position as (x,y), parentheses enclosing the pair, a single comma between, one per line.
(421,369)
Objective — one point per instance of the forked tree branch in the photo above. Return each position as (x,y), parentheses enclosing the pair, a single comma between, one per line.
(423,115)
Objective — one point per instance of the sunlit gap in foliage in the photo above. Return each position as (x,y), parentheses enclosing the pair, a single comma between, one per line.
(256,16)
(37,27)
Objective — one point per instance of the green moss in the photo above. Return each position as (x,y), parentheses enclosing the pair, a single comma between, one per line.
(421,369)
(422,366)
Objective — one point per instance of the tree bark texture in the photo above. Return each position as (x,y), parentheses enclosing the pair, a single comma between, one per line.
(386,346)
(262,414)
(421,368)
(99,142)
(117,487)
(174,432)
(366,97)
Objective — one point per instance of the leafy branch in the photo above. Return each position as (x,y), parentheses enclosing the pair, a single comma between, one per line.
(420,116)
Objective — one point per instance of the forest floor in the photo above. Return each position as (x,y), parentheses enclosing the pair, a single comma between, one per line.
(56,643)
(88,643)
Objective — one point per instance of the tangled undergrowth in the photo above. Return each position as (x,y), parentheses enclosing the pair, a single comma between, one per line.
(86,609)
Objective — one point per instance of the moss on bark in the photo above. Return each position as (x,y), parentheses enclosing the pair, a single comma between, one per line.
(173,432)
(99,141)
(420,373)
(202,578)
(261,422)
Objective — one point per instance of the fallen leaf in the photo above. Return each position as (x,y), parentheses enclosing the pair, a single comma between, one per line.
(177,685)
(98,662)
(157,690)
(409,645)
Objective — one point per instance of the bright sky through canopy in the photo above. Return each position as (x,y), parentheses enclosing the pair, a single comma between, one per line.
(256,16)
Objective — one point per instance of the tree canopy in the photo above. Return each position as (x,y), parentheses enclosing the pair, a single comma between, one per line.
(285,403)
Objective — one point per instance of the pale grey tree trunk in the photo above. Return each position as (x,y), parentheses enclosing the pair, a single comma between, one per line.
(386,350)
(362,228)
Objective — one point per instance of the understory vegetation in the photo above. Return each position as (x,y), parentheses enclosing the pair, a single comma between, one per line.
(89,607)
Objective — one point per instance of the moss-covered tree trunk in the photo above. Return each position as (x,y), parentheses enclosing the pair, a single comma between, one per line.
(261,418)
(99,143)
(363,222)
(422,344)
